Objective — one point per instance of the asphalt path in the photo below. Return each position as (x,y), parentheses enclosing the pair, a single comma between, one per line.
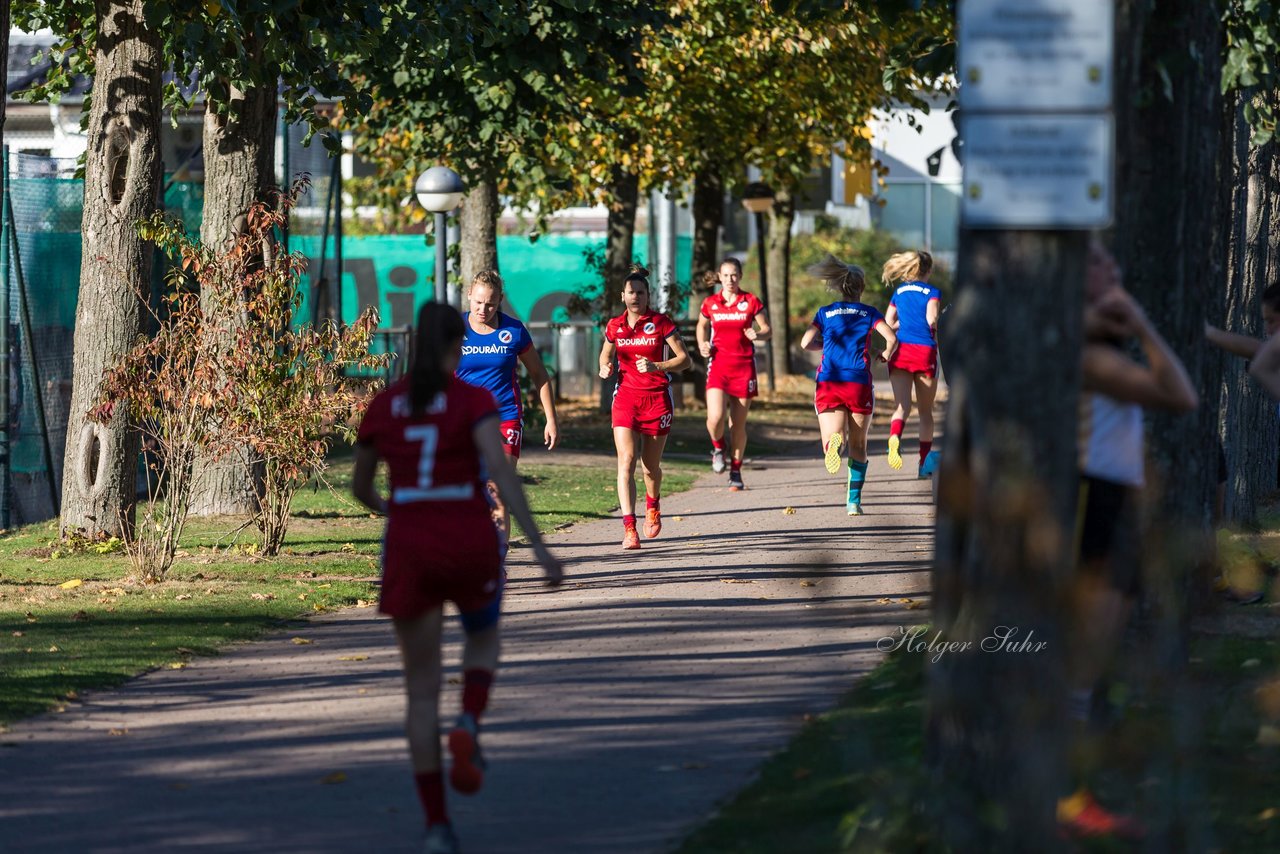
(630,702)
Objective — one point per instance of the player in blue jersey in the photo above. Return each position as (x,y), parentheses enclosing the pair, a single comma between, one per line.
(913,313)
(843,398)
(493,344)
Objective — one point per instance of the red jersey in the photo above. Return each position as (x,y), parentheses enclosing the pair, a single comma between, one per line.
(433,462)
(648,338)
(729,322)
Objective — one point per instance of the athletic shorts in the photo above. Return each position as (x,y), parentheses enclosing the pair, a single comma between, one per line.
(834,394)
(916,359)
(735,378)
(453,558)
(1110,533)
(512,437)
(646,412)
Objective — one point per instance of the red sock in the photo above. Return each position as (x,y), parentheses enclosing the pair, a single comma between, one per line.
(735,465)
(895,427)
(924,450)
(475,690)
(717,444)
(431,794)
(629,520)
(650,502)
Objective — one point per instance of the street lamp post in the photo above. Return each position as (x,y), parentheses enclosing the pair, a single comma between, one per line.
(757,198)
(439,190)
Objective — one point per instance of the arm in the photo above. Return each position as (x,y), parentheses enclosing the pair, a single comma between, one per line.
(812,339)
(680,359)
(1233,342)
(1161,384)
(765,331)
(891,316)
(1266,366)
(532,362)
(366,465)
(703,334)
(930,315)
(504,475)
(890,339)
(607,354)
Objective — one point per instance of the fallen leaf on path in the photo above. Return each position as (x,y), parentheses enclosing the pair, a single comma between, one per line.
(70,585)
(335,777)
(353,658)
(113,731)
(810,583)
(788,511)
(362,691)
(913,606)
(177,665)
(677,518)
(905,601)
(360,603)
(884,602)
(737,581)
(301,641)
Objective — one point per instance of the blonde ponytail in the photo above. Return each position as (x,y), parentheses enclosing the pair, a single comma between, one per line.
(908,266)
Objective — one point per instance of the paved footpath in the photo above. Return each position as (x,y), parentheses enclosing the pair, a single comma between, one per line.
(630,702)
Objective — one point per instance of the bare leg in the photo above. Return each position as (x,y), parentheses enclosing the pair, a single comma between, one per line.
(624,439)
(738,408)
(716,408)
(860,423)
(901,382)
(420,650)
(651,464)
(926,388)
(833,422)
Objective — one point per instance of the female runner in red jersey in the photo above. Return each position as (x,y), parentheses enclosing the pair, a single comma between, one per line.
(727,332)
(642,409)
(439,437)
(913,314)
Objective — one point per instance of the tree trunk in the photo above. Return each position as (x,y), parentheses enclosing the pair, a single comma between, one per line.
(620,249)
(778,245)
(4,63)
(1007,500)
(479,225)
(1250,431)
(708,216)
(122,178)
(239,171)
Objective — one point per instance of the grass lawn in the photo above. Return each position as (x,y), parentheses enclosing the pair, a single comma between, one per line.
(76,620)
(853,779)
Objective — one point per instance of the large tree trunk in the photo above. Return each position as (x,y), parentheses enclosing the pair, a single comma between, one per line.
(479,225)
(239,170)
(1250,430)
(708,216)
(778,245)
(1007,499)
(122,178)
(624,197)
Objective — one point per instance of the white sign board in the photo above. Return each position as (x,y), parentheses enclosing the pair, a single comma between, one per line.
(1035,54)
(1026,171)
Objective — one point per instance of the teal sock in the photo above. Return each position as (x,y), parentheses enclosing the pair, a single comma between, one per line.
(857,476)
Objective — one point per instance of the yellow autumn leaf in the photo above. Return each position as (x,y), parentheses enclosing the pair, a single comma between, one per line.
(353,658)
(301,641)
(70,585)
(177,665)
(788,511)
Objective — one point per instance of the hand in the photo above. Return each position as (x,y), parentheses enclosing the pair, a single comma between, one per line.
(643,365)
(606,371)
(1115,314)
(551,434)
(704,347)
(751,333)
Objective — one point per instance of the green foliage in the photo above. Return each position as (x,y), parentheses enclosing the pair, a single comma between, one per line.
(1253,46)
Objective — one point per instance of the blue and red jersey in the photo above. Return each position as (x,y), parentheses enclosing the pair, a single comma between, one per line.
(846,341)
(489,362)
(912,299)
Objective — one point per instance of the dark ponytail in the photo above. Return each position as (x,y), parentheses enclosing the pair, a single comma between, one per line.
(439,329)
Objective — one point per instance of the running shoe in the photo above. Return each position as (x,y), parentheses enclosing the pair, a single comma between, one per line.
(735,482)
(630,539)
(440,840)
(1081,816)
(895,458)
(853,508)
(831,457)
(930,464)
(652,522)
(717,460)
(467,773)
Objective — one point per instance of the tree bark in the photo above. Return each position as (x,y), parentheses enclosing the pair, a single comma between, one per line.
(624,198)
(479,226)
(239,170)
(708,216)
(1007,499)
(1250,430)
(122,178)
(778,246)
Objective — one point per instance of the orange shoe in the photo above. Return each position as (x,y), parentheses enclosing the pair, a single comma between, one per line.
(1082,816)
(652,522)
(630,539)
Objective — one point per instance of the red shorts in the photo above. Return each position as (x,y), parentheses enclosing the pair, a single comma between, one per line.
(735,378)
(512,433)
(452,557)
(647,412)
(915,359)
(834,394)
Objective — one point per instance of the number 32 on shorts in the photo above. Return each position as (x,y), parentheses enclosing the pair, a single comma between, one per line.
(664,422)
